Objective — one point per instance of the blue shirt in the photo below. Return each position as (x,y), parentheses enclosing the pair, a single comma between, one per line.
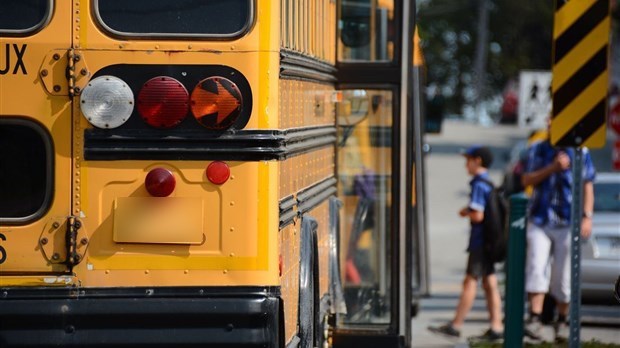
(478,198)
(551,200)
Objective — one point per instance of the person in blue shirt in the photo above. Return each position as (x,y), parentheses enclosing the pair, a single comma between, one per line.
(479,266)
(548,232)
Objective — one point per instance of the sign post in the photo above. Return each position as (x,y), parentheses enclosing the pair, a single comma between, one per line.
(615,155)
(575,228)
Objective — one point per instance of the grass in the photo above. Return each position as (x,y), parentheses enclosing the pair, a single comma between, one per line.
(588,344)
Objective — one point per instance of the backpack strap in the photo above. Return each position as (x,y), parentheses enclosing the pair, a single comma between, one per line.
(489,182)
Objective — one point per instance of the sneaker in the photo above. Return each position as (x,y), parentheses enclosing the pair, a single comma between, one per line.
(533,329)
(489,336)
(561,330)
(446,330)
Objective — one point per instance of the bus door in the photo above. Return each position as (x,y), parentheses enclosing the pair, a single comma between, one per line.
(375,172)
(35,142)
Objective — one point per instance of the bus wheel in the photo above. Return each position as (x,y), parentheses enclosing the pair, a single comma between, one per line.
(307,287)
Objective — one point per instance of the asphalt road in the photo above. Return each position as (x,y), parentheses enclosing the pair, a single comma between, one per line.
(447,190)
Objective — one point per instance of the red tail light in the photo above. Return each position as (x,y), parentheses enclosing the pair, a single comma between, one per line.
(216,103)
(218,172)
(160,182)
(163,102)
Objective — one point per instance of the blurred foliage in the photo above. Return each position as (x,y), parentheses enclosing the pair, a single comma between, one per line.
(520,35)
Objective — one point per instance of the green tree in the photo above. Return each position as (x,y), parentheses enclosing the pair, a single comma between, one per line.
(519,38)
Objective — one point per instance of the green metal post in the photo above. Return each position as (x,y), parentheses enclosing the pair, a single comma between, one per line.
(515,272)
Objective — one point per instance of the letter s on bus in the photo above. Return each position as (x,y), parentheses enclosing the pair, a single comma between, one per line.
(2,251)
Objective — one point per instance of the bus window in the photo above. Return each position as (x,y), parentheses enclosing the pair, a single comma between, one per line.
(365,30)
(20,17)
(153,18)
(25,171)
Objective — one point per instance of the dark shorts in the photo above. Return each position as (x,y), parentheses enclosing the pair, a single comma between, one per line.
(478,264)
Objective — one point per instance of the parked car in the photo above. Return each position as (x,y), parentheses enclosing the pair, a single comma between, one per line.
(600,258)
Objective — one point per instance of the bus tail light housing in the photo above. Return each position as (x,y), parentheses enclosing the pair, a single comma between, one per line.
(107,102)
(163,102)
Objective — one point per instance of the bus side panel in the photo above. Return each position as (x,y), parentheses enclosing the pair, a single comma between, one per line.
(289,279)
(305,104)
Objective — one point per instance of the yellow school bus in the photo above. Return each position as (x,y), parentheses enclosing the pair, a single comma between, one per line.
(195,173)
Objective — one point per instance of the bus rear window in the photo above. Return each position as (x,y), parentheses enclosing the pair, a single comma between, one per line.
(174,18)
(25,171)
(24,16)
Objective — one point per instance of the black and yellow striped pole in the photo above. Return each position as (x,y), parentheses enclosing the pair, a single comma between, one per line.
(579,117)
(580,72)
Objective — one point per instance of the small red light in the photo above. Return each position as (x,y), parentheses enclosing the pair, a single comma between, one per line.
(216,103)
(218,172)
(163,102)
(160,182)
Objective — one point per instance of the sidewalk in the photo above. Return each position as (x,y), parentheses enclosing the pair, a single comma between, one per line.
(447,189)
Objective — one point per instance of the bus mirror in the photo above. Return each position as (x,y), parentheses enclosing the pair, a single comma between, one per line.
(352,108)
(355,24)
(343,110)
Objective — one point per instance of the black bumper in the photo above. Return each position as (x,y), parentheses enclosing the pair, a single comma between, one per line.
(140,317)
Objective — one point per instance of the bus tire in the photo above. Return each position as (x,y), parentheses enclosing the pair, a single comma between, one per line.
(307,288)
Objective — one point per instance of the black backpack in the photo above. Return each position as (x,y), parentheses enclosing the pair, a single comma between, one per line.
(494,224)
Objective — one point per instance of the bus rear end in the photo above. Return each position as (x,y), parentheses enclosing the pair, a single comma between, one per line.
(140,159)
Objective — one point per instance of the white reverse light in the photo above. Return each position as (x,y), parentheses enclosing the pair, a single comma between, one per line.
(107,102)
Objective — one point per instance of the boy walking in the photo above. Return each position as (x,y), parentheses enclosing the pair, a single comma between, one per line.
(548,231)
(479,265)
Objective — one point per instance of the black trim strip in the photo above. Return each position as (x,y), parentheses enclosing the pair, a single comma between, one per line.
(34,274)
(579,81)
(316,194)
(30,293)
(183,317)
(584,129)
(287,211)
(306,200)
(580,29)
(244,145)
(294,65)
